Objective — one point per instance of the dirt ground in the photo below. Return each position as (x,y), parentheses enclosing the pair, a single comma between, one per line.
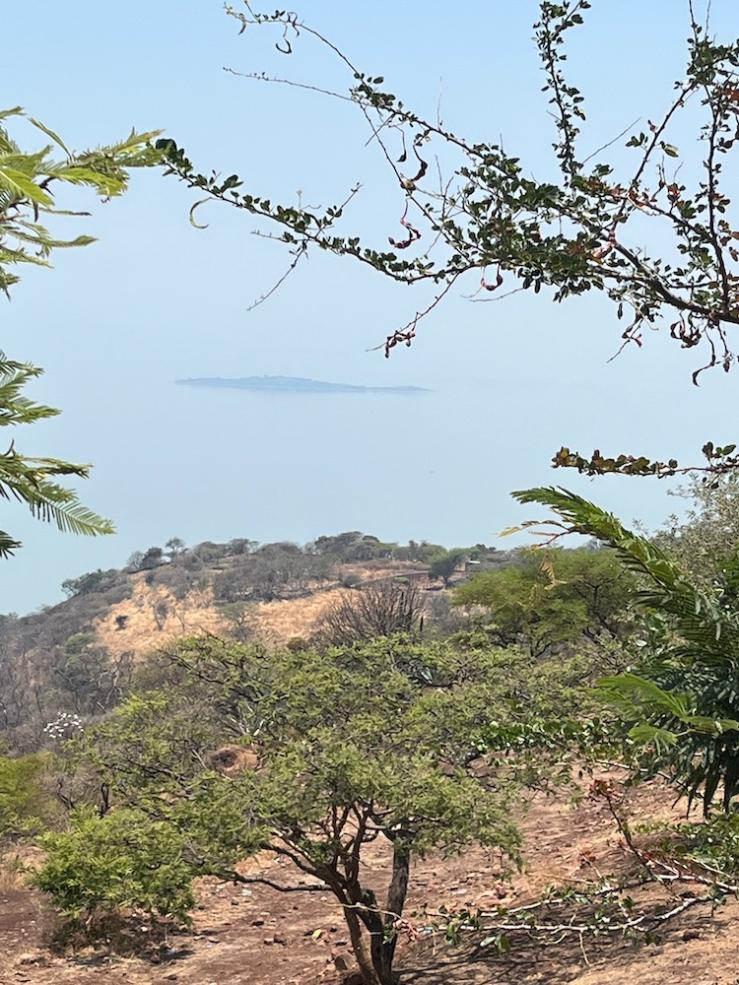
(256,936)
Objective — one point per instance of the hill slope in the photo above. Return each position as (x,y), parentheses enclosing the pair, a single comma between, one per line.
(79,656)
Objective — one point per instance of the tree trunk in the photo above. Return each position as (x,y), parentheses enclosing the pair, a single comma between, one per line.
(367,968)
(384,939)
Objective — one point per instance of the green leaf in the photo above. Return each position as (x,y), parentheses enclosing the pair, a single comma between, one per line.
(23,187)
(50,133)
(644,734)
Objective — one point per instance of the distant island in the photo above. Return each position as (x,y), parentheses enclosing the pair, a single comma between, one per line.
(293,384)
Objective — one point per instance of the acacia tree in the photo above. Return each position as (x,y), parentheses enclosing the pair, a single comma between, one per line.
(444,563)
(353,747)
(553,599)
(596,227)
(708,532)
(29,183)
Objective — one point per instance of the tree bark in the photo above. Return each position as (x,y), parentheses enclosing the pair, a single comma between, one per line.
(396,895)
(370,975)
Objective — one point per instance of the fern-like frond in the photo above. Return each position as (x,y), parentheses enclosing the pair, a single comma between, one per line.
(685,706)
(57,504)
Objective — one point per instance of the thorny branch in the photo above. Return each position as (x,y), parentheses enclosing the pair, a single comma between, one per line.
(584,233)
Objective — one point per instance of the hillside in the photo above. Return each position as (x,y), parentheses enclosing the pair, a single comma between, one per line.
(278,925)
(79,656)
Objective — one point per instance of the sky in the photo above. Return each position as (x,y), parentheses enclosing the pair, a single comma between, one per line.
(155,300)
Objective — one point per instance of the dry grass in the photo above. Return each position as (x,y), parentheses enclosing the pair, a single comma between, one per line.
(278,622)
(17,866)
(153,616)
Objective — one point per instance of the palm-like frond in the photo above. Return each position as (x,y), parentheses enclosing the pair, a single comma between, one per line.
(686,703)
(32,480)
(28,182)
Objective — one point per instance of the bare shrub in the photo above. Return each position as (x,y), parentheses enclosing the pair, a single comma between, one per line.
(380,608)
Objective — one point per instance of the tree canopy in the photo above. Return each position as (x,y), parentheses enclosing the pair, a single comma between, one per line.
(329,752)
(552,598)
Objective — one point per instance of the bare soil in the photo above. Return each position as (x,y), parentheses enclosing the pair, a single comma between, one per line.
(257,936)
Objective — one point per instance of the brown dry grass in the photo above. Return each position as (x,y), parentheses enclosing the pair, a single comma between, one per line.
(278,622)
(252,935)
(194,614)
(275,622)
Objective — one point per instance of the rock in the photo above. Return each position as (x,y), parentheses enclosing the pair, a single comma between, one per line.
(37,959)
(258,922)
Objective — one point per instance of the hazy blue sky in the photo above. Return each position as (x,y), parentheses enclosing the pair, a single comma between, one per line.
(155,299)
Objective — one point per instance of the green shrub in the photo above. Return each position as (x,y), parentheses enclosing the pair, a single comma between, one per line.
(25,807)
(120,862)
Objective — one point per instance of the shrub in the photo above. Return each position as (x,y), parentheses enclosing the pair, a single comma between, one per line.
(25,807)
(381,608)
(120,862)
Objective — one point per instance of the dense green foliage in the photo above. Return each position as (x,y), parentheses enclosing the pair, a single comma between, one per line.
(121,862)
(25,805)
(551,599)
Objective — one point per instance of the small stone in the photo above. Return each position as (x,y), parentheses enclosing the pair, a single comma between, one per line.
(39,959)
